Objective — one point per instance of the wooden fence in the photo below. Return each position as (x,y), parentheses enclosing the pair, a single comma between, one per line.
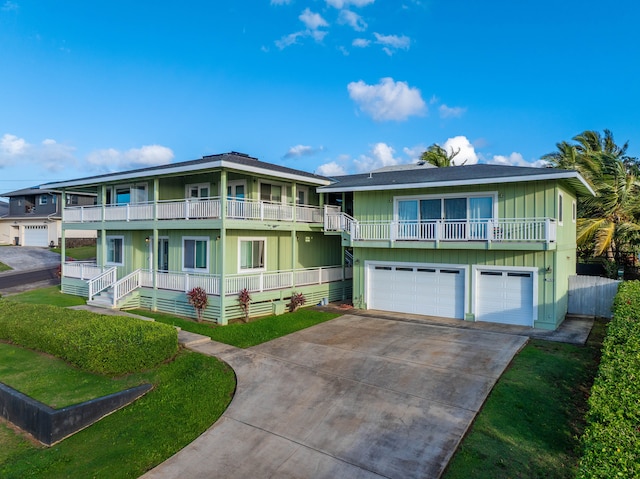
(591,295)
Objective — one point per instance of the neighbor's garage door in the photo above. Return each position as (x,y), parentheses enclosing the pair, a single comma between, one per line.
(36,235)
(417,289)
(504,297)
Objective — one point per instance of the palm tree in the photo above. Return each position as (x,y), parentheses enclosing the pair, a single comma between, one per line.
(438,156)
(608,223)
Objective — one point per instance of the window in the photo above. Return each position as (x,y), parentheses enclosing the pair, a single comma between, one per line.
(272,193)
(128,194)
(44,200)
(302,193)
(195,254)
(72,199)
(450,208)
(574,211)
(560,208)
(197,191)
(115,256)
(252,254)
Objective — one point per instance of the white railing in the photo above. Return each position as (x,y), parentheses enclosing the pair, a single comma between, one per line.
(81,270)
(283,279)
(175,281)
(335,220)
(101,282)
(505,230)
(200,208)
(126,285)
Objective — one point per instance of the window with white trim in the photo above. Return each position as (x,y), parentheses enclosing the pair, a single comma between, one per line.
(560,208)
(251,254)
(128,194)
(44,199)
(195,254)
(272,193)
(302,195)
(199,190)
(115,250)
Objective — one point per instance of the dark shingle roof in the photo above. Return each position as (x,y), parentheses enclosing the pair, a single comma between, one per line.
(451,176)
(240,159)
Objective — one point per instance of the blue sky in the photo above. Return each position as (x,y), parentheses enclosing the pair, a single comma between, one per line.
(329,86)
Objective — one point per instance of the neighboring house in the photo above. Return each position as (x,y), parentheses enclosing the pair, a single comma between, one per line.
(477,243)
(480,242)
(4,228)
(223,222)
(34,216)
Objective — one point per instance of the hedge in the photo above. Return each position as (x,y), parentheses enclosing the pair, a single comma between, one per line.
(110,345)
(611,442)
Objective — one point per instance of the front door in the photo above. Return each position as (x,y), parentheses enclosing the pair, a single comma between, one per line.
(236,192)
(163,255)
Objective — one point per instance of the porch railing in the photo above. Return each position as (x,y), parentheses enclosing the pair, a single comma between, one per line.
(81,270)
(200,208)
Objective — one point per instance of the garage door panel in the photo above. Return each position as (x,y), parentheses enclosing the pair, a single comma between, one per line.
(505,297)
(36,235)
(417,289)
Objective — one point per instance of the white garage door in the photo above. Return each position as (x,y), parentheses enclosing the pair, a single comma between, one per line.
(416,289)
(36,235)
(504,297)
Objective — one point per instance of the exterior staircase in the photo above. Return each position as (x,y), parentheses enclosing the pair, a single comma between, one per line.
(103,299)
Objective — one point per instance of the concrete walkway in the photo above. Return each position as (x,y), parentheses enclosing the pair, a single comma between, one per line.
(355,397)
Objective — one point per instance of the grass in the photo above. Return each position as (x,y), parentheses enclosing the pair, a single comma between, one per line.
(190,394)
(4,267)
(250,334)
(530,425)
(52,381)
(81,253)
(50,295)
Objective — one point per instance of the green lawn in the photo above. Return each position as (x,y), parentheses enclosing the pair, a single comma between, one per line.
(52,381)
(250,334)
(189,395)
(81,253)
(530,425)
(50,295)
(4,267)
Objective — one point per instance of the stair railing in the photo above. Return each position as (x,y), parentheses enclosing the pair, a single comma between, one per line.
(102,282)
(126,285)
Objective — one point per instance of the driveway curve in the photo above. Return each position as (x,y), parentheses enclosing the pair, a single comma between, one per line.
(356,397)
(22,258)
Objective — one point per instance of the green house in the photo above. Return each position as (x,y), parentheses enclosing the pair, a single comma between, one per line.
(223,223)
(476,243)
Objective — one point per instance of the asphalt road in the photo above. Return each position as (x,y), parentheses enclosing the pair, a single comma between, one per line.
(24,279)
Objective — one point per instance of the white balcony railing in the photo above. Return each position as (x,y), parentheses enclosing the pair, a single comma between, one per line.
(180,281)
(201,208)
(493,230)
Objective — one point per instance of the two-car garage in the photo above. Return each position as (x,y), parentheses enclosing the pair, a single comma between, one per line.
(500,294)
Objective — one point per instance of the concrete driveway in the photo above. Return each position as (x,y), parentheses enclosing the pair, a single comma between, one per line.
(356,397)
(22,258)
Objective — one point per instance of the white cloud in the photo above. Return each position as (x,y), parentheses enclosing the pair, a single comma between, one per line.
(391,43)
(312,21)
(467,155)
(381,155)
(280,2)
(360,43)
(515,159)
(415,152)
(352,19)
(388,100)
(288,40)
(318,35)
(346,3)
(302,150)
(451,112)
(49,155)
(111,159)
(330,169)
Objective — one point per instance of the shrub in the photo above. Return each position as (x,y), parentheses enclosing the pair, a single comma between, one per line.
(297,300)
(611,442)
(244,299)
(110,345)
(199,300)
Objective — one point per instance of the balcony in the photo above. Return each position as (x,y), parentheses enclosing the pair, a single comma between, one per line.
(188,209)
(258,282)
(517,230)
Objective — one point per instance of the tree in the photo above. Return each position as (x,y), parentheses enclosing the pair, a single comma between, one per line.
(609,223)
(438,156)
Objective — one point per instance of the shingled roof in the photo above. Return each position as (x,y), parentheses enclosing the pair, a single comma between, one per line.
(241,160)
(452,176)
